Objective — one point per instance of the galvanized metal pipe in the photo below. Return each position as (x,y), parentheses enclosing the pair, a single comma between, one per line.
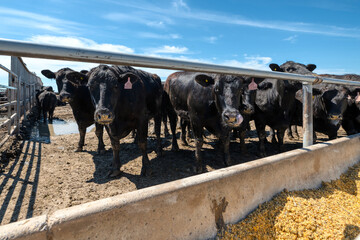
(25,49)
(307,115)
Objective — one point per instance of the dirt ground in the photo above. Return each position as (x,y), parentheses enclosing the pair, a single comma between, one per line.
(38,178)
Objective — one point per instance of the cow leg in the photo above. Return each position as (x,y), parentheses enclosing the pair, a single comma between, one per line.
(116,164)
(260,129)
(51,113)
(157,120)
(142,143)
(225,140)
(82,131)
(289,133)
(173,122)
(242,142)
(183,125)
(199,141)
(295,131)
(164,120)
(280,136)
(44,115)
(99,130)
(272,136)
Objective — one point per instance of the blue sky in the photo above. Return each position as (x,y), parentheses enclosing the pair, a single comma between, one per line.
(250,34)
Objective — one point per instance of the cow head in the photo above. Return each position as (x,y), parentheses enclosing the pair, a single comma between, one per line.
(227,91)
(58,76)
(248,96)
(329,103)
(105,86)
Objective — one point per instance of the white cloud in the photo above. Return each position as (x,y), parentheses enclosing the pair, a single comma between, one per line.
(211,39)
(184,12)
(180,4)
(257,62)
(291,39)
(79,42)
(167,49)
(159,36)
(15,19)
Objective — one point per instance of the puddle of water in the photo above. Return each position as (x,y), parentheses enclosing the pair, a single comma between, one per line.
(61,127)
(41,131)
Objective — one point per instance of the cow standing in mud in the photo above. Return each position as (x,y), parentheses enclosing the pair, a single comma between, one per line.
(124,99)
(78,97)
(207,100)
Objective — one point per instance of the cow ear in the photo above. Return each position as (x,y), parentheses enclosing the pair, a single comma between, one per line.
(204,80)
(128,79)
(77,78)
(311,67)
(49,74)
(276,68)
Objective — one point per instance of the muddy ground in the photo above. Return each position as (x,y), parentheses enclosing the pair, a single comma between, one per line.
(39,177)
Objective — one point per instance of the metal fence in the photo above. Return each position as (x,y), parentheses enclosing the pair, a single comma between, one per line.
(19,97)
(25,49)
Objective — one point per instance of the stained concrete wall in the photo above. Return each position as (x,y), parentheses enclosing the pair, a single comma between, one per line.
(193,207)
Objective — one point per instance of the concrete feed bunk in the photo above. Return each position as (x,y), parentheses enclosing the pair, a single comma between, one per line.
(194,207)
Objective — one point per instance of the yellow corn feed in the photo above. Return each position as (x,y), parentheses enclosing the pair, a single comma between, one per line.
(330,212)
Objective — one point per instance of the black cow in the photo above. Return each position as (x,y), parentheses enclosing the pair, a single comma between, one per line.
(37,94)
(207,100)
(79,98)
(351,116)
(124,99)
(275,105)
(330,103)
(47,102)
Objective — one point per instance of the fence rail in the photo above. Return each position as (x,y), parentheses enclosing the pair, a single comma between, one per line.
(25,49)
(20,96)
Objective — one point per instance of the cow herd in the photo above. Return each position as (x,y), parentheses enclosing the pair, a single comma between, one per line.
(123,99)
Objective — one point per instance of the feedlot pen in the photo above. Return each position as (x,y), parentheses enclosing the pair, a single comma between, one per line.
(45,179)
(48,176)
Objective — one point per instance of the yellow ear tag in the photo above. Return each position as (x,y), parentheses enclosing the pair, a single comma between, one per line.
(81,78)
(206,80)
(313,97)
(275,69)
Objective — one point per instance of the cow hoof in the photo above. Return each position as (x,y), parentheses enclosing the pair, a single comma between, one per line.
(146,172)
(175,148)
(114,173)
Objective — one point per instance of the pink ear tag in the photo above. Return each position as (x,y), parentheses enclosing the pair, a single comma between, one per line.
(357,98)
(252,85)
(128,84)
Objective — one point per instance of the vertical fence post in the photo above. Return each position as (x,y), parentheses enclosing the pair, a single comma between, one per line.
(307,115)
(18,111)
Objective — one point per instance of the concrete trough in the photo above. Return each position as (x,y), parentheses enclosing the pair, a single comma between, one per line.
(194,207)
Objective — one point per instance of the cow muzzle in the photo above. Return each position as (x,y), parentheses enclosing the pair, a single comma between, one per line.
(335,117)
(65,98)
(233,118)
(104,117)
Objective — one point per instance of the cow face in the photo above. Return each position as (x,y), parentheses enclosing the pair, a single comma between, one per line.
(58,76)
(335,101)
(105,86)
(227,91)
(248,96)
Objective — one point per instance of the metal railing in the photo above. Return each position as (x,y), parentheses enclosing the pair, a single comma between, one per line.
(25,49)
(20,96)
